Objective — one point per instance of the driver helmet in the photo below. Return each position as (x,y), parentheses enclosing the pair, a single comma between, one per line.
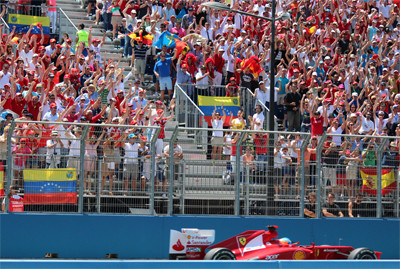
(285,241)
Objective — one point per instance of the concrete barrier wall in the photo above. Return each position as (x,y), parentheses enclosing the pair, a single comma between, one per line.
(147,237)
(43,264)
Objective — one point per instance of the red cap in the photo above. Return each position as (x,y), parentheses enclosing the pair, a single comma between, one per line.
(96,40)
(314,137)
(24,140)
(341,103)
(4,35)
(327,100)
(383,95)
(166,22)
(53,105)
(68,40)
(141,112)
(58,46)
(232,78)
(184,66)
(120,91)
(66,76)
(141,91)
(52,40)
(42,48)
(134,122)
(375,56)
(144,139)
(158,102)
(296,62)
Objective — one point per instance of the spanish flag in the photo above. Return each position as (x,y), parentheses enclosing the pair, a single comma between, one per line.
(370,182)
(207,105)
(143,36)
(181,47)
(50,186)
(253,63)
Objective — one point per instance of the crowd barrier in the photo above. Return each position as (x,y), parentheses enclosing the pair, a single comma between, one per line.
(77,168)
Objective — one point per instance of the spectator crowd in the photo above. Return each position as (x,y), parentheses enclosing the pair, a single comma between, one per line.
(337,69)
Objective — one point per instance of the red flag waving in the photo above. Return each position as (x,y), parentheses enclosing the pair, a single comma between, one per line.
(253,63)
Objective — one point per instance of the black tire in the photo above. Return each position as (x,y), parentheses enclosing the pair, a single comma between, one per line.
(362,254)
(220,254)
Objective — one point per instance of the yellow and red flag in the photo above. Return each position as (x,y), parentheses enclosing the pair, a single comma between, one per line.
(143,36)
(253,63)
(370,181)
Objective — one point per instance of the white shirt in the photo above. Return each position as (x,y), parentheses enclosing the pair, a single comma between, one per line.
(336,139)
(74,147)
(262,96)
(5,79)
(366,125)
(131,153)
(217,124)
(26,56)
(258,118)
(203,82)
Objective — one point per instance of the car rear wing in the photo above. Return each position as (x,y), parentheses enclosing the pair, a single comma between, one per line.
(189,243)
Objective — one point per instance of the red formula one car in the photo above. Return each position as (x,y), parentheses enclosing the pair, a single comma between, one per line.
(256,245)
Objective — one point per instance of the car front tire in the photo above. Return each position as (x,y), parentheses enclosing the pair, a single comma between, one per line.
(220,254)
(362,254)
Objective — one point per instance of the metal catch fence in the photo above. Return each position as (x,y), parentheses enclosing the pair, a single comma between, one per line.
(102,168)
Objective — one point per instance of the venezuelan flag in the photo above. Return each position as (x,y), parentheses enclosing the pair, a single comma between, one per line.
(23,22)
(166,38)
(50,186)
(370,182)
(207,105)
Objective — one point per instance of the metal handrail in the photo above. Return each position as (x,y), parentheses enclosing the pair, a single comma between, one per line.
(188,98)
(69,20)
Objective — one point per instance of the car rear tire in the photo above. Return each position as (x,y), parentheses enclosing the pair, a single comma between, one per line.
(220,254)
(362,254)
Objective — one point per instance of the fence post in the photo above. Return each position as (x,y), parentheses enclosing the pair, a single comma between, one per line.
(99,181)
(82,167)
(302,171)
(319,175)
(379,178)
(182,197)
(154,166)
(237,168)
(9,165)
(247,202)
(171,170)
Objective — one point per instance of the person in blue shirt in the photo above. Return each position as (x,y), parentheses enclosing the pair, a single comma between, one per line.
(163,73)
(183,77)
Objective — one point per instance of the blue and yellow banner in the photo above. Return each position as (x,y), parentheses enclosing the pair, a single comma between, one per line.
(23,22)
(50,186)
(207,105)
(166,38)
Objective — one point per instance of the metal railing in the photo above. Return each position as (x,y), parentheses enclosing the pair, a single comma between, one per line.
(230,175)
(62,22)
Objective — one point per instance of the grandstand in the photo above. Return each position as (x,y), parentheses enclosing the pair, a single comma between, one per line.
(127,151)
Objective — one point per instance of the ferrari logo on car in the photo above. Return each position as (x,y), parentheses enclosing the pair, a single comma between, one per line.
(242,241)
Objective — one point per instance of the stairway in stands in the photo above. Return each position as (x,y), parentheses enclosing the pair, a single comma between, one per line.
(78,15)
